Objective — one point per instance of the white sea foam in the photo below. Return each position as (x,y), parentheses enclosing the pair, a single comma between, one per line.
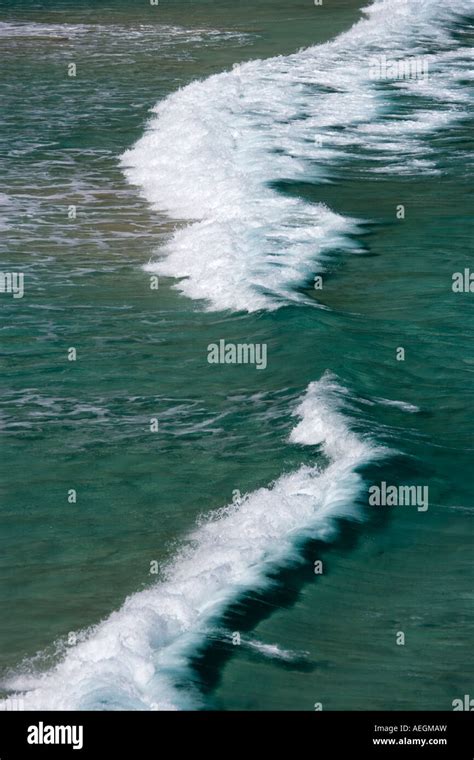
(140,655)
(403,405)
(163,34)
(214,149)
(31,29)
(274,651)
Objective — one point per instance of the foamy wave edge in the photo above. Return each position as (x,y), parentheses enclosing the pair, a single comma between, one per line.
(215,151)
(139,657)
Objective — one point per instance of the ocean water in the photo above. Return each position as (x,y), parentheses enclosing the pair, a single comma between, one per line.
(237,153)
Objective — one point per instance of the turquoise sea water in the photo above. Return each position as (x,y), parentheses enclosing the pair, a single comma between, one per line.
(142,354)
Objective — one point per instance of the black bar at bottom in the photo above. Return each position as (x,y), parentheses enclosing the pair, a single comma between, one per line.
(137,734)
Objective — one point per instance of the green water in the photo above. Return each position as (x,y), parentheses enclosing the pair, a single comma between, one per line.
(141,354)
